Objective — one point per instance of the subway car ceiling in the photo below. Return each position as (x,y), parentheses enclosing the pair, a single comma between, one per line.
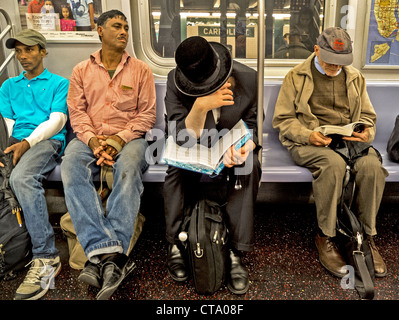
(158,26)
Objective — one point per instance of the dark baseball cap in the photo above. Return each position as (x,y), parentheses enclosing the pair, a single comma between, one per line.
(28,37)
(335,46)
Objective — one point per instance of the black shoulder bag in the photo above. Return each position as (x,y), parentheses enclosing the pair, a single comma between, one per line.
(393,142)
(204,234)
(351,237)
(15,244)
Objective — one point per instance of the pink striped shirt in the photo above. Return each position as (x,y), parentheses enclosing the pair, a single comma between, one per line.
(123,105)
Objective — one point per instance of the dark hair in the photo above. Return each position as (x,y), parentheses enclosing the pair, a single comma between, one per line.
(102,19)
(67,6)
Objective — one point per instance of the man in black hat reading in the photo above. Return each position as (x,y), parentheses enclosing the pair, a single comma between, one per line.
(209,91)
(326,90)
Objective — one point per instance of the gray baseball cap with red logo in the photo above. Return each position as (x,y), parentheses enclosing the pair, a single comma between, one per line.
(335,46)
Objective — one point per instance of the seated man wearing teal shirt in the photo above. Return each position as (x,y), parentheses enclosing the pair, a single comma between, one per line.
(35,110)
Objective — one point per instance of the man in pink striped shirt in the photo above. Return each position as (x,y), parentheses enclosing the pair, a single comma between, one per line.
(111,103)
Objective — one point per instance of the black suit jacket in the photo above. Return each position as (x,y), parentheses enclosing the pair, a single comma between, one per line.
(178,105)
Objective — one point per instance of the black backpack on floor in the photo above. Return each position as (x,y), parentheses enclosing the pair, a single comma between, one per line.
(15,244)
(204,234)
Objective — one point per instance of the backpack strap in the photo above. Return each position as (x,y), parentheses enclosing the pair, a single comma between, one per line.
(108,175)
(4,138)
(368,284)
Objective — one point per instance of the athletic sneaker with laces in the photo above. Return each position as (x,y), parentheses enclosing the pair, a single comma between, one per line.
(39,279)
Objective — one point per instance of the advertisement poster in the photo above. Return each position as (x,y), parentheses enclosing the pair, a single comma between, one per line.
(43,21)
(383,38)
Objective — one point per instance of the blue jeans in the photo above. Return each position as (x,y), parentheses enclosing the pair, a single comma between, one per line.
(98,232)
(26,182)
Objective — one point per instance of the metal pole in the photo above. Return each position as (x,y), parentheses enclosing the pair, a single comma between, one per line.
(260,65)
(6,62)
(5,31)
(9,29)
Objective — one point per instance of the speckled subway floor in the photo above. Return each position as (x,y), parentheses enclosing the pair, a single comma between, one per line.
(283,266)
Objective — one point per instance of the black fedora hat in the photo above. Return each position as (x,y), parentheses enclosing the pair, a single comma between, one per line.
(202,66)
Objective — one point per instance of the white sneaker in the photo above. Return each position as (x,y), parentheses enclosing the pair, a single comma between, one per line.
(39,279)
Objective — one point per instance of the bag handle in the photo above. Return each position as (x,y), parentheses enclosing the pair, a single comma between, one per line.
(360,262)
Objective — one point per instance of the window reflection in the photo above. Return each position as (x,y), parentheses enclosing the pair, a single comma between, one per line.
(292,26)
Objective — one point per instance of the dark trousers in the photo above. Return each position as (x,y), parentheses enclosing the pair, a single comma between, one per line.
(183,187)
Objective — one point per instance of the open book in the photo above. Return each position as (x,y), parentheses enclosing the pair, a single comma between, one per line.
(205,160)
(345,130)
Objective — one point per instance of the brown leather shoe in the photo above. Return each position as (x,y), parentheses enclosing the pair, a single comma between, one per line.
(329,256)
(380,269)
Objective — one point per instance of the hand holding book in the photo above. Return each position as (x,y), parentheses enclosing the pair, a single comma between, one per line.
(362,136)
(356,131)
(234,157)
(319,140)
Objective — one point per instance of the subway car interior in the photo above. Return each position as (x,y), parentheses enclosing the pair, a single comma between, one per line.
(271,37)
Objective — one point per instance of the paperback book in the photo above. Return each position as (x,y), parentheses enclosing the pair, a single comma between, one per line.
(346,130)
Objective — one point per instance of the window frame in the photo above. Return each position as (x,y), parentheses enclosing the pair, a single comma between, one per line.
(274,69)
(142,12)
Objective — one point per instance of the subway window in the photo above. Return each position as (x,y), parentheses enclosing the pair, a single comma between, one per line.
(292,26)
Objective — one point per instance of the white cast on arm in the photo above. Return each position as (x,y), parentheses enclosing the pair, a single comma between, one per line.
(48,128)
(10,125)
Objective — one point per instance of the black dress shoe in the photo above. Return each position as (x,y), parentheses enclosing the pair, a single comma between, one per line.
(238,279)
(176,264)
(113,270)
(91,274)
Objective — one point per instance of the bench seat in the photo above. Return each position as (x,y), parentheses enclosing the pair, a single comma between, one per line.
(277,165)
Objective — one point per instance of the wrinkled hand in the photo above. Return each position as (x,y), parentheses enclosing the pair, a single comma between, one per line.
(103,151)
(110,149)
(359,136)
(319,140)
(217,99)
(19,149)
(97,145)
(233,157)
